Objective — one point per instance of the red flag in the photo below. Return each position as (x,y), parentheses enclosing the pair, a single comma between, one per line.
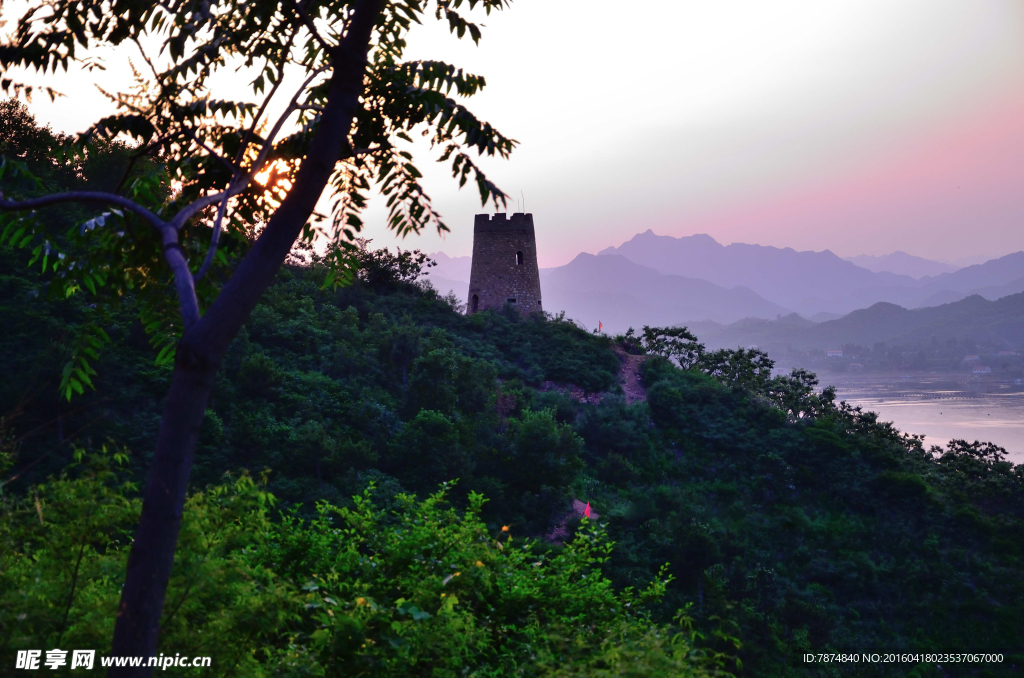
(586,511)
(599,325)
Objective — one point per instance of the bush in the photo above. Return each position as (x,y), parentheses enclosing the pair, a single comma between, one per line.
(423,591)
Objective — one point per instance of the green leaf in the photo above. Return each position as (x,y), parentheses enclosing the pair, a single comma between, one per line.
(165,355)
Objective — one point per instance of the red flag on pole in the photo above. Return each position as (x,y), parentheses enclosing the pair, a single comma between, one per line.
(599,325)
(586,511)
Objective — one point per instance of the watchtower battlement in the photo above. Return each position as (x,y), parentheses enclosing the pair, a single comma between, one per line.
(501,223)
(505,267)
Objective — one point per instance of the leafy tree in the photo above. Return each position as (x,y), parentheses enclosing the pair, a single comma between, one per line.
(674,343)
(381,269)
(433,593)
(421,590)
(744,368)
(434,381)
(221,166)
(428,450)
(545,452)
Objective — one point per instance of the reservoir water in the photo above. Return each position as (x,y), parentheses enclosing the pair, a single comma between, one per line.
(941,407)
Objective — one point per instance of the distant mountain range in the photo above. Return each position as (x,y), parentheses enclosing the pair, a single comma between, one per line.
(662,280)
(997,324)
(816,282)
(902,263)
(619,294)
(806,282)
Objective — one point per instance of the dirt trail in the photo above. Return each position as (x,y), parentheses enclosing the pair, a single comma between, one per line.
(629,376)
(559,533)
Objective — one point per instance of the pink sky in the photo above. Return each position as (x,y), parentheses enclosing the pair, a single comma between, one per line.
(961,188)
(860,127)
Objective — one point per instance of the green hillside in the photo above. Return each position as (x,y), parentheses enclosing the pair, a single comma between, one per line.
(789,523)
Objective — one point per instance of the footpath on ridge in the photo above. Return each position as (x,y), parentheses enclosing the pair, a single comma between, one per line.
(629,379)
(629,376)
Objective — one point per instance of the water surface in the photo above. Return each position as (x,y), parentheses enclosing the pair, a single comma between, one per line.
(941,407)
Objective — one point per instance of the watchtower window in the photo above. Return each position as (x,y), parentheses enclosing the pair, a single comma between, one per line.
(475,304)
(511,300)
(519,258)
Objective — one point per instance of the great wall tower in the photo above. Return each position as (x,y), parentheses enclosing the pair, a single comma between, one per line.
(504,264)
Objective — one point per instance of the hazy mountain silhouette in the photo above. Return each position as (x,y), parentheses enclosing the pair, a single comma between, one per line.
(808,282)
(453,268)
(621,293)
(815,282)
(992,323)
(991,293)
(902,263)
(661,280)
(992,273)
(450,274)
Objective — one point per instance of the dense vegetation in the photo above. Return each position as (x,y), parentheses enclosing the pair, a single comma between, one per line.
(789,522)
(419,590)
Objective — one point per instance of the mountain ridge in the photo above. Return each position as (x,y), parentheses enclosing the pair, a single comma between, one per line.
(902,263)
(780,275)
(997,324)
(725,283)
(619,293)
(785,276)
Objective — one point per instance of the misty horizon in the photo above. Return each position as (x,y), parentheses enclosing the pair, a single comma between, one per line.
(957,263)
(816,127)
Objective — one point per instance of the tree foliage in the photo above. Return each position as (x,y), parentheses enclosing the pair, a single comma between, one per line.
(197,164)
(789,520)
(331,102)
(424,589)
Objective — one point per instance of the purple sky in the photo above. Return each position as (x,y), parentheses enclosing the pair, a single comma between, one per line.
(954,192)
(862,127)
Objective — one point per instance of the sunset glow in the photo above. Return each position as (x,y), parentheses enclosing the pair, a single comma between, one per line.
(858,127)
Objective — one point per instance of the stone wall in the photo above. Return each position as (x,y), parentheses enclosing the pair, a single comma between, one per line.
(505,267)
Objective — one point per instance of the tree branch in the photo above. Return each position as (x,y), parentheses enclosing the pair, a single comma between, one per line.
(173,254)
(293,106)
(143,150)
(214,239)
(266,102)
(84,196)
(196,206)
(191,134)
(256,271)
(145,56)
(184,285)
(311,26)
(237,185)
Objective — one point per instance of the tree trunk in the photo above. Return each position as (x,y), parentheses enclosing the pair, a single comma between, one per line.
(204,344)
(152,551)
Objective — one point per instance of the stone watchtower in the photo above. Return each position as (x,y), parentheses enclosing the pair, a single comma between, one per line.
(504,264)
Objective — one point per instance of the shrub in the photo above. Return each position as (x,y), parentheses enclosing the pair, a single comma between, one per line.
(424,590)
